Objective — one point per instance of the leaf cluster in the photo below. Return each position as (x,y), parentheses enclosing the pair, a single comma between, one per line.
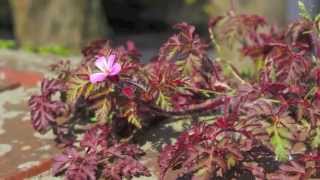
(264,125)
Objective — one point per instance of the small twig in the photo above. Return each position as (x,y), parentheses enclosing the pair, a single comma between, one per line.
(10,87)
(232,6)
(136,84)
(236,74)
(204,90)
(201,108)
(311,92)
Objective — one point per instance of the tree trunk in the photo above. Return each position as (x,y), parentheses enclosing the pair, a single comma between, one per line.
(69,23)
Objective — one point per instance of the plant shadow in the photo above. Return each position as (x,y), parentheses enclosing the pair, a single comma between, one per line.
(161,132)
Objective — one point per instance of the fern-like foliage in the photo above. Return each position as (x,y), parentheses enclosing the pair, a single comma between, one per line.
(43,108)
(303,11)
(260,122)
(98,148)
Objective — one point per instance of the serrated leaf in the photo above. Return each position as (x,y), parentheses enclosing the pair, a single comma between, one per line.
(188,65)
(269,130)
(284,132)
(135,120)
(132,116)
(231,162)
(172,53)
(103,111)
(288,64)
(315,143)
(202,171)
(163,101)
(89,89)
(280,145)
(78,87)
(303,12)
(44,110)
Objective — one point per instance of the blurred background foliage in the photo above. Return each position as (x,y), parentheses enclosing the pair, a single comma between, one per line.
(63,27)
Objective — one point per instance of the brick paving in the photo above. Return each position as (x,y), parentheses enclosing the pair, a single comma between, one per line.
(21,148)
(25,153)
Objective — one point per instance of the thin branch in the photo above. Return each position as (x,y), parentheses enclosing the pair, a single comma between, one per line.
(232,6)
(201,108)
(10,87)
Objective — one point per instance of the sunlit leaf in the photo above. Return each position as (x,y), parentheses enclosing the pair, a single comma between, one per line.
(315,143)
(280,144)
(303,12)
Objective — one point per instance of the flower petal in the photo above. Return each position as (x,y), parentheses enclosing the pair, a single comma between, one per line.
(101,63)
(115,69)
(110,61)
(97,77)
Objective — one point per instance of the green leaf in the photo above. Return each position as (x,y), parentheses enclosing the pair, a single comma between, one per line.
(135,120)
(280,144)
(132,116)
(188,65)
(76,88)
(284,132)
(231,161)
(303,12)
(103,111)
(163,101)
(200,172)
(93,119)
(315,143)
(273,74)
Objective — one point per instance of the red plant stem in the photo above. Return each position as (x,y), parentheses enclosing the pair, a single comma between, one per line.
(203,107)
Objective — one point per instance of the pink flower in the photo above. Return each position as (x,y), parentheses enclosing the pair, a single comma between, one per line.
(107,67)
